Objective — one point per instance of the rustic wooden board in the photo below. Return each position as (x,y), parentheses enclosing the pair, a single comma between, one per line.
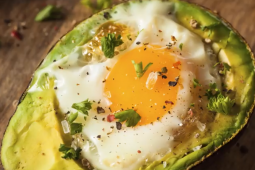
(19,59)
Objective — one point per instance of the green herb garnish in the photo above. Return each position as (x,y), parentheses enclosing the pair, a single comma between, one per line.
(69,153)
(109,43)
(220,104)
(83,107)
(217,101)
(192,105)
(196,83)
(72,117)
(50,12)
(129,37)
(225,67)
(213,91)
(139,32)
(76,128)
(181,46)
(139,68)
(130,116)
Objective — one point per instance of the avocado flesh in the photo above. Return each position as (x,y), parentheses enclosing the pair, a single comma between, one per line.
(35,128)
(34,134)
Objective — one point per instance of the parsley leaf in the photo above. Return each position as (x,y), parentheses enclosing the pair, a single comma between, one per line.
(196,83)
(72,117)
(130,116)
(109,43)
(69,153)
(139,68)
(139,32)
(217,101)
(75,128)
(192,104)
(49,12)
(181,46)
(129,37)
(224,67)
(213,91)
(220,104)
(83,107)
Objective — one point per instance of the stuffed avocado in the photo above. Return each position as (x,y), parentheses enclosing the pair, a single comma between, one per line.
(48,131)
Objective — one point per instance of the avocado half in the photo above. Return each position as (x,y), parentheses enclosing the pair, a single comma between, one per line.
(34,133)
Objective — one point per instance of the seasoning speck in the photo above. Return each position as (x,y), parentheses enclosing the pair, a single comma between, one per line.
(164,77)
(107,15)
(172,83)
(164,70)
(100,110)
(118,125)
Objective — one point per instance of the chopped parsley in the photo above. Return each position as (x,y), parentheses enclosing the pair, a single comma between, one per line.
(181,46)
(75,128)
(196,83)
(139,68)
(50,12)
(72,117)
(130,116)
(83,107)
(109,43)
(217,101)
(139,32)
(224,67)
(129,37)
(69,153)
(220,104)
(213,91)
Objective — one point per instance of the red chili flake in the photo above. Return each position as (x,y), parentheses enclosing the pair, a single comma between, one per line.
(159,31)
(169,102)
(176,65)
(190,112)
(110,118)
(16,34)
(139,151)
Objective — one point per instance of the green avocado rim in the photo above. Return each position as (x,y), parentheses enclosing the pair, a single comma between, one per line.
(223,35)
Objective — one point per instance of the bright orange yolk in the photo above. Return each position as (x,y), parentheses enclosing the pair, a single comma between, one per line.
(126,91)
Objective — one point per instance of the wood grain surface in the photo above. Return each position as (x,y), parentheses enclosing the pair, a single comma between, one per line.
(19,59)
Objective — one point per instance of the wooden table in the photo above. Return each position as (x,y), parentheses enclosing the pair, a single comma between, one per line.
(19,59)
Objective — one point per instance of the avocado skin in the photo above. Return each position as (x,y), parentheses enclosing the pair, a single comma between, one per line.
(34,133)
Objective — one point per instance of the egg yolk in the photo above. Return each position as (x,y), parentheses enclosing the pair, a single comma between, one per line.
(126,91)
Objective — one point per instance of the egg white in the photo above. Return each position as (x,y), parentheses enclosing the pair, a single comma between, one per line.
(118,149)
